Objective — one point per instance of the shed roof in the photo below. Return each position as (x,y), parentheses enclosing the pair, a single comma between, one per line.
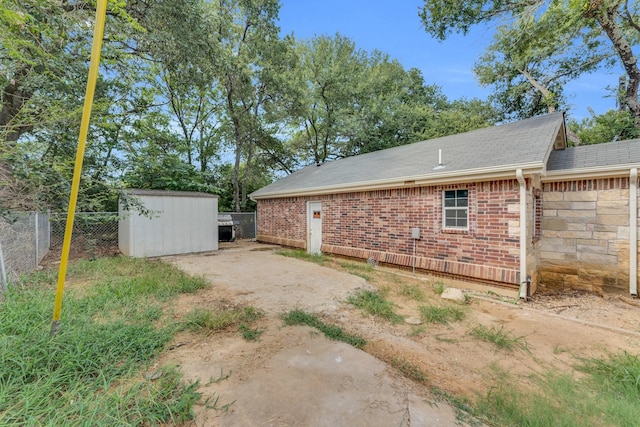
(167,193)
(618,153)
(496,150)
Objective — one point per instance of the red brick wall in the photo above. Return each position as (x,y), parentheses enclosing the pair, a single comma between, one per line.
(378,224)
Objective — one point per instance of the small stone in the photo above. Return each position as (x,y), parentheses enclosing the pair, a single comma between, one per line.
(413,321)
(453,294)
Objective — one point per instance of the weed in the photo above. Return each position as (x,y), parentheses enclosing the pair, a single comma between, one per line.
(219,320)
(446,339)
(413,292)
(114,325)
(375,304)
(220,378)
(558,350)
(358,269)
(439,287)
(417,330)
(250,334)
(212,403)
(598,398)
(444,314)
(305,256)
(409,370)
(299,317)
(499,338)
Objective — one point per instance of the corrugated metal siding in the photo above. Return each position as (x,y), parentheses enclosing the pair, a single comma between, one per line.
(178,225)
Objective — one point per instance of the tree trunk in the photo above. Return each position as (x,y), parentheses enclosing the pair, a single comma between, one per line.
(608,20)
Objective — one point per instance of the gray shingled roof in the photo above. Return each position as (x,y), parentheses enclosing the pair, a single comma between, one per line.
(506,147)
(588,156)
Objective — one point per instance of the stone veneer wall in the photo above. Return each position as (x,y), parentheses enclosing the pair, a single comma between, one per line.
(377,224)
(585,243)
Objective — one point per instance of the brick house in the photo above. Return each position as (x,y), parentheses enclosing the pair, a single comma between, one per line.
(509,205)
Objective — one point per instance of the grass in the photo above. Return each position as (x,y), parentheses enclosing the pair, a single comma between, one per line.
(303,255)
(375,304)
(210,321)
(440,314)
(499,337)
(113,326)
(299,317)
(608,394)
(413,292)
(409,370)
(439,287)
(358,269)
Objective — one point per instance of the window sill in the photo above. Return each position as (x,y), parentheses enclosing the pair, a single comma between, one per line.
(455,231)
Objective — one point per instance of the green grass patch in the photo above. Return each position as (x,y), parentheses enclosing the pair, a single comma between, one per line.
(606,395)
(375,304)
(212,321)
(358,269)
(113,326)
(299,317)
(441,314)
(499,337)
(413,292)
(303,255)
(409,370)
(439,287)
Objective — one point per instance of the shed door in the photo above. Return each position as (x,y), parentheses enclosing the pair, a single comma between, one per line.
(314,225)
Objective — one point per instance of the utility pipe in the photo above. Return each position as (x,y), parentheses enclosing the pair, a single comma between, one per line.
(524,280)
(633,232)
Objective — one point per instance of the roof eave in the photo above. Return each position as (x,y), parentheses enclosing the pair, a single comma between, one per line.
(469,175)
(609,171)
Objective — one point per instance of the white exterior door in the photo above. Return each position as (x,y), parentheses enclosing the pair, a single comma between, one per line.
(314,226)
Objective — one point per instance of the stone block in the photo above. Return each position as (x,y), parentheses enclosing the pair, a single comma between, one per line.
(624,210)
(552,256)
(555,196)
(605,235)
(558,224)
(576,227)
(605,228)
(513,208)
(613,219)
(623,233)
(592,242)
(582,205)
(591,249)
(569,214)
(549,212)
(581,196)
(600,260)
(613,195)
(570,257)
(612,203)
(575,234)
(453,294)
(557,248)
(557,205)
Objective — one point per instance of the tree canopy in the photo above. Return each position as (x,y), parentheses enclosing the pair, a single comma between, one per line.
(539,46)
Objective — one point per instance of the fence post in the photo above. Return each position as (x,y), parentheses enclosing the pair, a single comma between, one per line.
(37,235)
(255,225)
(3,272)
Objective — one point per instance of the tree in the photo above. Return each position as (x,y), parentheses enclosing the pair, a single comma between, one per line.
(544,44)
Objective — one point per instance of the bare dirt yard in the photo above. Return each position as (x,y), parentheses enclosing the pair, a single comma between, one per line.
(294,376)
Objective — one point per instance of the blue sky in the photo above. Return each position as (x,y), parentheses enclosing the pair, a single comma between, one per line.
(395,28)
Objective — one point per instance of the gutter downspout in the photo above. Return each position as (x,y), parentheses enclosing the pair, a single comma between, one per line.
(524,279)
(633,232)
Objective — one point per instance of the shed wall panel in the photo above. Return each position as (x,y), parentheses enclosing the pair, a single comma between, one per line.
(179,224)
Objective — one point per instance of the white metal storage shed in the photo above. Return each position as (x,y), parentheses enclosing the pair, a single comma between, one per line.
(180,222)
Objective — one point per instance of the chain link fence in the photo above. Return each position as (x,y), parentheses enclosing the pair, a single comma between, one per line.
(245,223)
(94,234)
(24,241)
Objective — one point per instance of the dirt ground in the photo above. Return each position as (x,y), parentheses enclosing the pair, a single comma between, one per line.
(293,376)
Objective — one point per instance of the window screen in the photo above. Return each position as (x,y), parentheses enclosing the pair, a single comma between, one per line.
(455,208)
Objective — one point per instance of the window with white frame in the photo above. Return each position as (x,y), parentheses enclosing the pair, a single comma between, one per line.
(455,209)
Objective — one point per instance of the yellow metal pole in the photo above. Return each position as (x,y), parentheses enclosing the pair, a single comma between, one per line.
(98,32)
